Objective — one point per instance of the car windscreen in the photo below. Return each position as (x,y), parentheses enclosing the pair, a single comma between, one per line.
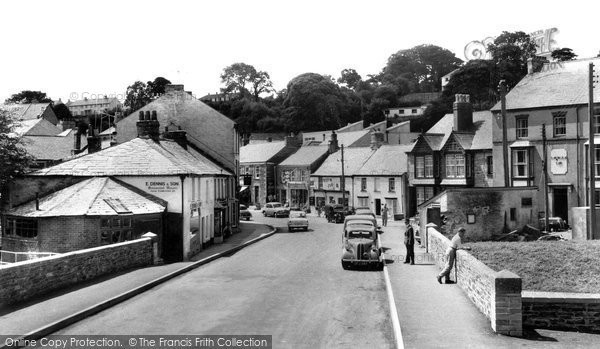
(242,207)
(296,214)
(276,205)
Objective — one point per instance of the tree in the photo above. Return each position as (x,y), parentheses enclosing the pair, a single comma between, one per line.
(156,88)
(137,96)
(314,102)
(14,160)
(510,52)
(350,78)
(62,111)
(419,69)
(478,79)
(563,54)
(243,79)
(27,96)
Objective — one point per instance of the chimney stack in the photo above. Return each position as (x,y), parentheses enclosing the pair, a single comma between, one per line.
(292,141)
(172,88)
(333,143)
(463,113)
(94,143)
(377,138)
(179,136)
(148,125)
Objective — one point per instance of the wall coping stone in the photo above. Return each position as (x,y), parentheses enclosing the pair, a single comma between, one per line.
(559,297)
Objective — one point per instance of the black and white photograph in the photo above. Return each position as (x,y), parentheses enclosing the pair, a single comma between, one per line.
(299,174)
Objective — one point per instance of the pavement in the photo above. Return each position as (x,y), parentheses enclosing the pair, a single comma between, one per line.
(442,316)
(53,311)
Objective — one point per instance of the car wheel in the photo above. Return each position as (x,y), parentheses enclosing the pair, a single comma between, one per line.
(345,265)
(379,266)
(305,228)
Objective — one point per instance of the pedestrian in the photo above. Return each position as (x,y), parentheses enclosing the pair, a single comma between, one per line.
(384,215)
(319,210)
(455,244)
(409,242)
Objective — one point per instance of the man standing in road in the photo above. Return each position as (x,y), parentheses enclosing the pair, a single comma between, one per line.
(409,242)
(384,215)
(451,255)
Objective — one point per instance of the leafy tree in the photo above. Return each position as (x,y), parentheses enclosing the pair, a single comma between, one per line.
(350,78)
(243,79)
(137,96)
(62,111)
(314,102)
(478,79)
(14,160)
(27,96)
(419,69)
(563,54)
(157,87)
(510,52)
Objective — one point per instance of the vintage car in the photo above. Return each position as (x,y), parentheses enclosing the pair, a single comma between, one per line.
(361,219)
(275,209)
(337,213)
(297,220)
(360,246)
(244,213)
(554,223)
(364,211)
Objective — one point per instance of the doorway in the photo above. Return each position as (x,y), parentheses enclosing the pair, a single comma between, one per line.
(560,200)
(377,207)
(256,198)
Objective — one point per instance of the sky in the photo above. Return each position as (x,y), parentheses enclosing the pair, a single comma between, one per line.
(76,49)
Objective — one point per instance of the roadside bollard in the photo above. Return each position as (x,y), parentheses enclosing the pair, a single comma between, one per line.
(154,239)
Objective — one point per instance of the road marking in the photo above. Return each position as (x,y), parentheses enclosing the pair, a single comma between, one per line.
(393,309)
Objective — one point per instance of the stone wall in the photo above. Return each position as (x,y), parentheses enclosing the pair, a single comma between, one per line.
(26,280)
(496,294)
(562,311)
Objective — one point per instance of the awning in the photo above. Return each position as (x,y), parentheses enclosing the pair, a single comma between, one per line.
(244,187)
(521,144)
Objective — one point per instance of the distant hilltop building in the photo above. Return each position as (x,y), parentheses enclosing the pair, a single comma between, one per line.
(89,106)
(216,97)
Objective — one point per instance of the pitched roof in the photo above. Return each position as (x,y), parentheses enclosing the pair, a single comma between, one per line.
(351,127)
(57,147)
(260,152)
(36,127)
(91,101)
(26,111)
(482,130)
(305,156)
(387,160)
(559,84)
(137,157)
(97,196)
(350,139)
(354,158)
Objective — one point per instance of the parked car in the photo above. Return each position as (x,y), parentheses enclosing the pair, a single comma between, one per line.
(297,220)
(360,246)
(554,223)
(361,219)
(244,213)
(336,213)
(276,209)
(551,237)
(364,211)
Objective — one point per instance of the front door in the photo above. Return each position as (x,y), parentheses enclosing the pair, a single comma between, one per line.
(377,207)
(560,203)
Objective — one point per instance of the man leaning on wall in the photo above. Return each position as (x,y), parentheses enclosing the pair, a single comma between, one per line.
(455,244)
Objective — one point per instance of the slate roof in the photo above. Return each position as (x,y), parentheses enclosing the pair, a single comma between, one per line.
(354,158)
(57,147)
(387,160)
(27,111)
(260,152)
(350,126)
(97,196)
(561,84)
(482,131)
(305,156)
(36,127)
(138,157)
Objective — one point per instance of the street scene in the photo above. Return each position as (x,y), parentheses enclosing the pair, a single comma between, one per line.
(310,174)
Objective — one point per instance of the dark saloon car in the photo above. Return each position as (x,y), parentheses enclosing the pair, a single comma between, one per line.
(244,213)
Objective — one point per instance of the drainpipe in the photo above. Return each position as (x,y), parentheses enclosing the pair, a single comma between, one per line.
(577,152)
(182,177)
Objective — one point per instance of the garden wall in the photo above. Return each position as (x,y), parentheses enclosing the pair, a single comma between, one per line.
(496,294)
(562,311)
(25,280)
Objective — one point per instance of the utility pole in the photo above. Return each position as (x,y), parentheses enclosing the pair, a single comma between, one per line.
(592,156)
(343,184)
(502,87)
(545,167)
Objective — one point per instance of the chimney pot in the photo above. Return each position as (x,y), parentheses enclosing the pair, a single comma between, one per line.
(463,113)
(147,115)
(154,116)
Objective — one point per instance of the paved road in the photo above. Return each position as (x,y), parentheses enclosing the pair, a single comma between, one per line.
(290,286)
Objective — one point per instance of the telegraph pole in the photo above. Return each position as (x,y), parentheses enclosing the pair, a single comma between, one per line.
(545,168)
(343,184)
(502,87)
(592,156)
